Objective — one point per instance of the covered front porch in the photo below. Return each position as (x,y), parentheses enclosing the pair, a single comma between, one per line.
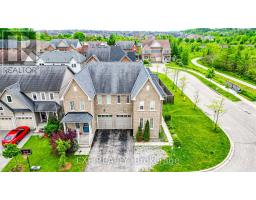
(45,110)
(81,122)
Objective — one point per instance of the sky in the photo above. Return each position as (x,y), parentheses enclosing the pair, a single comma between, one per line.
(141,15)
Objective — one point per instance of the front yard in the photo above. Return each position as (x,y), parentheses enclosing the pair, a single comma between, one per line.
(42,156)
(201,147)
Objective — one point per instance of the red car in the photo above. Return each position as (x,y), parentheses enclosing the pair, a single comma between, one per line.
(15,135)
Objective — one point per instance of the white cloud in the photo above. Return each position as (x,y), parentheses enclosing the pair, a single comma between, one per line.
(162,15)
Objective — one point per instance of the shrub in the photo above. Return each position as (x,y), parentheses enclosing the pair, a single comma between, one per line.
(69,136)
(139,135)
(146,135)
(210,73)
(176,140)
(146,62)
(52,126)
(167,117)
(11,151)
(62,147)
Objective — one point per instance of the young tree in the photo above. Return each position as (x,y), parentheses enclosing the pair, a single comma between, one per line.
(210,73)
(146,134)
(196,98)
(62,147)
(11,151)
(217,106)
(139,135)
(185,56)
(183,84)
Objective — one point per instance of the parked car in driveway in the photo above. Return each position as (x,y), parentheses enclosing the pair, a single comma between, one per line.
(15,135)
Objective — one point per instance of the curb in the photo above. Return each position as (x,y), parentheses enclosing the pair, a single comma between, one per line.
(225,161)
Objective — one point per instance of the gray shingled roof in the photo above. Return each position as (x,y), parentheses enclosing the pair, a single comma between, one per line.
(108,54)
(49,78)
(67,42)
(125,45)
(77,117)
(14,90)
(83,78)
(115,78)
(62,56)
(46,106)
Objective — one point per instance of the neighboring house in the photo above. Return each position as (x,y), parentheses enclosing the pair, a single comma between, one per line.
(112,95)
(127,46)
(91,44)
(64,45)
(109,54)
(29,100)
(156,50)
(73,59)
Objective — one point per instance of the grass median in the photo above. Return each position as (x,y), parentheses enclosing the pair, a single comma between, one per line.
(201,147)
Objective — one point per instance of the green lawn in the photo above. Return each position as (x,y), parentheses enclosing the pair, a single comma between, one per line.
(209,84)
(247,92)
(202,147)
(42,156)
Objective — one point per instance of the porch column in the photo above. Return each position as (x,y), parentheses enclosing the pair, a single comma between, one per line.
(78,135)
(65,128)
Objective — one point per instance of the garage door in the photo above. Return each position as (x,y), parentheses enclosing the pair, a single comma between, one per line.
(25,121)
(6,123)
(123,122)
(105,122)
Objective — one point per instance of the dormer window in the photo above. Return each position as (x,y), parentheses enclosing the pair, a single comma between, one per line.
(9,98)
(34,96)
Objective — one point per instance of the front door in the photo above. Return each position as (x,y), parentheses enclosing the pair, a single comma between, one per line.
(86,128)
(43,117)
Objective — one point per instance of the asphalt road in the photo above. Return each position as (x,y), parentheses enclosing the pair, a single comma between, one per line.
(239,122)
(194,61)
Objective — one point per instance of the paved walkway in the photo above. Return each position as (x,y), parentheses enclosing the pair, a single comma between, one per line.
(194,61)
(167,132)
(238,122)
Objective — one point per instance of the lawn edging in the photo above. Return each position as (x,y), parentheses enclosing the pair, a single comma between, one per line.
(226,160)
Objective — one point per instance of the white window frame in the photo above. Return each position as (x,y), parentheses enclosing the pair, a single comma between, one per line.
(70,105)
(44,96)
(99,99)
(108,99)
(1,108)
(128,98)
(50,96)
(151,123)
(73,65)
(141,119)
(141,104)
(82,104)
(7,98)
(150,106)
(34,93)
(119,97)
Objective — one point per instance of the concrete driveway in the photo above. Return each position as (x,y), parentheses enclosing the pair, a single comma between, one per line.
(239,122)
(112,151)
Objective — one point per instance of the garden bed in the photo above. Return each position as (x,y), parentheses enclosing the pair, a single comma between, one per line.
(42,156)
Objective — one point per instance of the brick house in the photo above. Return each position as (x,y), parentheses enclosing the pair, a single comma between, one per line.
(157,51)
(64,45)
(109,54)
(112,95)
